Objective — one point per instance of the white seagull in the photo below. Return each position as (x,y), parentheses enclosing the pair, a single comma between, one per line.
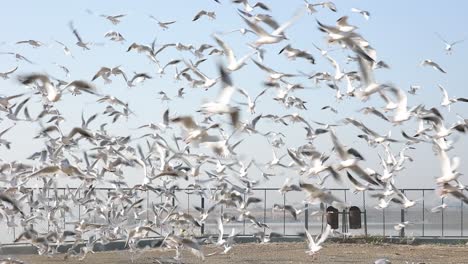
(433,65)
(449,45)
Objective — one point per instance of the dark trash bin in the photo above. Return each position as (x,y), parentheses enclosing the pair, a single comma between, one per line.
(332,217)
(354,217)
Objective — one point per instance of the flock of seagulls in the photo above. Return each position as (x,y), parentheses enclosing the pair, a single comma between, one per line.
(205,155)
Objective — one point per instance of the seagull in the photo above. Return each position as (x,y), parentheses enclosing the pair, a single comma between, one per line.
(315,245)
(233,63)
(439,208)
(64,167)
(209,14)
(5,75)
(66,50)
(3,141)
(446,101)
(274,37)
(359,187)
(401,111)
(196,133)
(331,109)
(364,13)
(400,226)
(343,25)
(339,74)
(448,166)
(382,261)
(51,92)
(163,25)
(454,191)
(251,104)
(104,73)
(180,93)
(243,31)
(276,161)
(172,62)
(315,194)
(4,197)
(221,105)
(407,203)
(206,82)
(17,56)
(293,53)
(287,187)
(433,65)
(65,69)
(138,78)
(372,110)
(377,138)
(350,159)
(114,19)
(274,75)
(293,211)
(261,237)
(5,101)
(449,45)
(249,8)
(114,36)
(33,43)
(310,7)
(80,42)
(413,89)
(327,4)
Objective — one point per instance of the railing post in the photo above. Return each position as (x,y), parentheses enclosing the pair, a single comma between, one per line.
(264,208)
(173,198)
(48,208)
(202,205)
(30,207)
(442,215)
(161,226)
(79,206)
(461,218)
(64,213)
(383,221)
(365,212)
(402,219)
(423,213)
(323,213)
(284,214)
(188,203)
(147,205)
(243,221)
(344,223)
(306,216)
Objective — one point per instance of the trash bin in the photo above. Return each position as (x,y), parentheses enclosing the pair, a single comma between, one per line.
(354,217)
(332,217)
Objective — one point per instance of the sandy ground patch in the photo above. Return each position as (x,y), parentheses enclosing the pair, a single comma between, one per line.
(283,253)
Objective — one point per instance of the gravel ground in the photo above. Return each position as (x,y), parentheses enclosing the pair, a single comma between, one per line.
(283,253)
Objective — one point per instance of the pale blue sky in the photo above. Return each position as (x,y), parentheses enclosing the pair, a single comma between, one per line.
(402,32)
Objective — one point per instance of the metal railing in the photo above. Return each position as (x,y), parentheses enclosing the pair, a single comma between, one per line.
(449,222)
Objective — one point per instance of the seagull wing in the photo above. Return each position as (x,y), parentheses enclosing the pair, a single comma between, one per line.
(227,90)
(324,235)
(258,30)
(263,67)
(338,147)
(444,92)
(287,24)
(45,170)
(227,50)
(312,243)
